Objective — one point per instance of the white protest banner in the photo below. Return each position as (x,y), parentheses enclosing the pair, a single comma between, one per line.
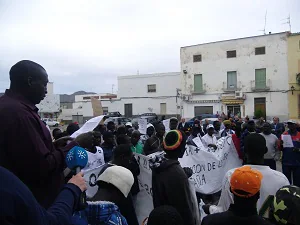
(144,202)
(90,177)
(90,125)
(198,142)
(95,160)
(166,123)
(142,126)
(209,168)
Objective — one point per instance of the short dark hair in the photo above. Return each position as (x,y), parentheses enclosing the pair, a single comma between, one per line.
(165,215)
(20,72)
(121,130)
(255,145)
(107,135)
(122,150)
(72,128)
(110,123)
(55,130)
(158,126)
(122,139)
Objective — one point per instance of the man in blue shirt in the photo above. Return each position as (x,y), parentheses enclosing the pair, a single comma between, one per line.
(18,205)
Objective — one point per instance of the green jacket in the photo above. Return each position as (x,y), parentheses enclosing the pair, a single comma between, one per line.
(138,148)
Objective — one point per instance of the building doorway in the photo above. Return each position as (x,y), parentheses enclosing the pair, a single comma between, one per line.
(260,107)
(128,110)
(234,109)
(163,108)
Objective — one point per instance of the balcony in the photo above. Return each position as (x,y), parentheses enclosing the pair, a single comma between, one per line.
(198,91)
(231,88)
(260,86)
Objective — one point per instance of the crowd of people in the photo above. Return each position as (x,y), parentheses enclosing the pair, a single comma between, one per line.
(35,188)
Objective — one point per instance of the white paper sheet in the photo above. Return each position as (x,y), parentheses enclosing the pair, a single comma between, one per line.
(166,123)
(142,126)
(90,125)
(198,142)
(287,141)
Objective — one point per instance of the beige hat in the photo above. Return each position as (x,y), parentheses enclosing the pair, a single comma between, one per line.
(118,176)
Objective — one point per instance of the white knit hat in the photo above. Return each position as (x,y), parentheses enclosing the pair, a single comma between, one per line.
(118,176)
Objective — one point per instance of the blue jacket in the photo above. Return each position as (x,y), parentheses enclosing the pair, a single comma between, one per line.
(99,213)
(18,205)
(291,156)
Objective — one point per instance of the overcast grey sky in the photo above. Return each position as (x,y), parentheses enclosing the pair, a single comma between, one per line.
(86,44)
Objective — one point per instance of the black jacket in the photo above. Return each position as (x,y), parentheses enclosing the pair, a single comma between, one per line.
(126,206)
(278,129)
(170,186)
(235,216)
(183,128)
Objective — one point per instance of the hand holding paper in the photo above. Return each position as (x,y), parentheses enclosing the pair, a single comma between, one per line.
(287,141)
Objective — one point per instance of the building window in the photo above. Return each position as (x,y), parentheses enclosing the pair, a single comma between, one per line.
(152,88)
(198,110)
(231,80)
(260,107)
(260,78)
(260,51)
(163,108)
(89,97)
(198,83)
(197,58)
(231,54)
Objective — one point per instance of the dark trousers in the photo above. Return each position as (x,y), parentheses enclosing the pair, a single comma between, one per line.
(271,163)
(292,172)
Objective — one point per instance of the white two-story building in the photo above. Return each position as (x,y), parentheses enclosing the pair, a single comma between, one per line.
(248,76)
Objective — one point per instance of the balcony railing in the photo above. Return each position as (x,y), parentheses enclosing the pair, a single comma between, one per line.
(199,92)
(231,88)
(260,85)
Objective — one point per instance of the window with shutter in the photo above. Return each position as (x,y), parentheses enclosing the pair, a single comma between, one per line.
(260,78)
(198,83)
(152,88)
(231,80)
(260,51)
(197,58)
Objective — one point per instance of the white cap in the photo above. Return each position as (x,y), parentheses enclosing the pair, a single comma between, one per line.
(118,176)
(128,124)
(209,126)
(291,121)
(149,125)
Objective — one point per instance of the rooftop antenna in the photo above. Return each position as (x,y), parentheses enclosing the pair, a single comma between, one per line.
(288,21)
(264,30)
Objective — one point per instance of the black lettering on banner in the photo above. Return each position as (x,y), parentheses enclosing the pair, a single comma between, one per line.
(211,166)
(148,190)
(145,165)
(208,167)
(196,150)
(138,160)
(188,151)
(200,180)
(198,168)
(92,180)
